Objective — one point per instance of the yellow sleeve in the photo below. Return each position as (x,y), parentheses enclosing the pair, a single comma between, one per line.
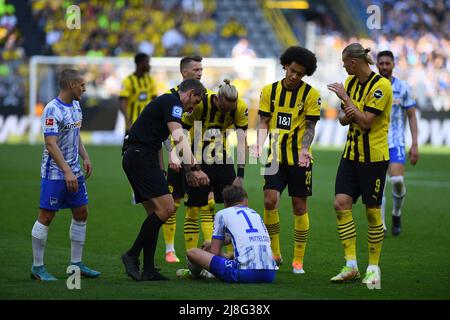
(312,107)
(126,88)
(264,102)
(241,120)
(379,97)
(188,119)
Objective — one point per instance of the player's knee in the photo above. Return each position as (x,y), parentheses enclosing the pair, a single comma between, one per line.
(340,204)
(167,211)
(270,203)
(398,185)
(45,217)
(300,208)
(80,215)
(192,254)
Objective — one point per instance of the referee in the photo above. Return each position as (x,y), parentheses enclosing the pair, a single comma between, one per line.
(142,163)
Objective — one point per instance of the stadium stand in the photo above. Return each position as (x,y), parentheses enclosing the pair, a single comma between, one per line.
(415,30)
(418,35)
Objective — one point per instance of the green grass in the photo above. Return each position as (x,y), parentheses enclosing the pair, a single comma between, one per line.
(414,265)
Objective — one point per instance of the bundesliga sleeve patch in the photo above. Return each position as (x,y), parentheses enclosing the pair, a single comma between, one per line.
(49,122)
(177,112)
(378,94)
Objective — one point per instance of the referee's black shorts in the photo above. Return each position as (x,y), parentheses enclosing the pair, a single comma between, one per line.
(177,183)
(220,176)
(362,179)
(144,174)
(297,179)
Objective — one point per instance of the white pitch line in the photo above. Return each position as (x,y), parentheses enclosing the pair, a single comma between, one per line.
(428,183)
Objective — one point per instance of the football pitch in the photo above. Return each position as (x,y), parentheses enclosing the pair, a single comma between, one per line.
(414,265)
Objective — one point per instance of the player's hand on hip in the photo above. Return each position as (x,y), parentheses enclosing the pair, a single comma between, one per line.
(413,154)
(305,158)
(71,181)
(87,165)
(238,182)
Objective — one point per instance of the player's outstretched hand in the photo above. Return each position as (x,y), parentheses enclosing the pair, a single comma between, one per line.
(339,89)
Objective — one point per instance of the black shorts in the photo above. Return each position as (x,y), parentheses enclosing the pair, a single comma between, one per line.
(297,179)
(362,179)
(220,176)
(177,183)
(145,176)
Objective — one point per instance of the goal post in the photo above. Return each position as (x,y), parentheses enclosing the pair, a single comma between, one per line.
(104,75)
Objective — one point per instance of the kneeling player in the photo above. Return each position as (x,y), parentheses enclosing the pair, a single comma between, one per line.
(253,261)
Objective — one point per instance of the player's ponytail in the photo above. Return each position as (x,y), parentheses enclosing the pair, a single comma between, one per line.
(228,91)
(357,51)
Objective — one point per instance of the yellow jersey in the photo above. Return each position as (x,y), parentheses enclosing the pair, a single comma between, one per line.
(288,111)
(215,122)
(139,91)
(375,96)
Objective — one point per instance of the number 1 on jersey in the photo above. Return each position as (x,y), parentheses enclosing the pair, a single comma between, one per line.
(251,230)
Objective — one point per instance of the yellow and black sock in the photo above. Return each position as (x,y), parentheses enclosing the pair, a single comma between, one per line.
(169,228)
(347,233)
(191,227)
(207,222)
(301,228)
(272,222)
(375,234)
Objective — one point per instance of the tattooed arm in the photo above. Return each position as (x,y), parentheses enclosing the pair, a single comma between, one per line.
(305,157)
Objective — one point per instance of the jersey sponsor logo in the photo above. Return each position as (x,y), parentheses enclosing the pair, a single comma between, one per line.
(49,122)
(177,112)
(70,126)
(284,121)
(378,94)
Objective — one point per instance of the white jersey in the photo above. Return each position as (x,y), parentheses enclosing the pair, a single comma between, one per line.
(403,100)
(249,236)
(64,121)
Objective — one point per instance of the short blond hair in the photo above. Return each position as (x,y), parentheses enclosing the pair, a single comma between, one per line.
(357,51)
(228,91)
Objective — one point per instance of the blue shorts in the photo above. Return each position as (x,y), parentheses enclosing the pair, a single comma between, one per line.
(227,270)
(55,196)
(397,155)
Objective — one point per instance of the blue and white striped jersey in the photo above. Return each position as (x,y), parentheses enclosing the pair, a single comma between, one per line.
(249,236)
(403,100)
(64,121)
